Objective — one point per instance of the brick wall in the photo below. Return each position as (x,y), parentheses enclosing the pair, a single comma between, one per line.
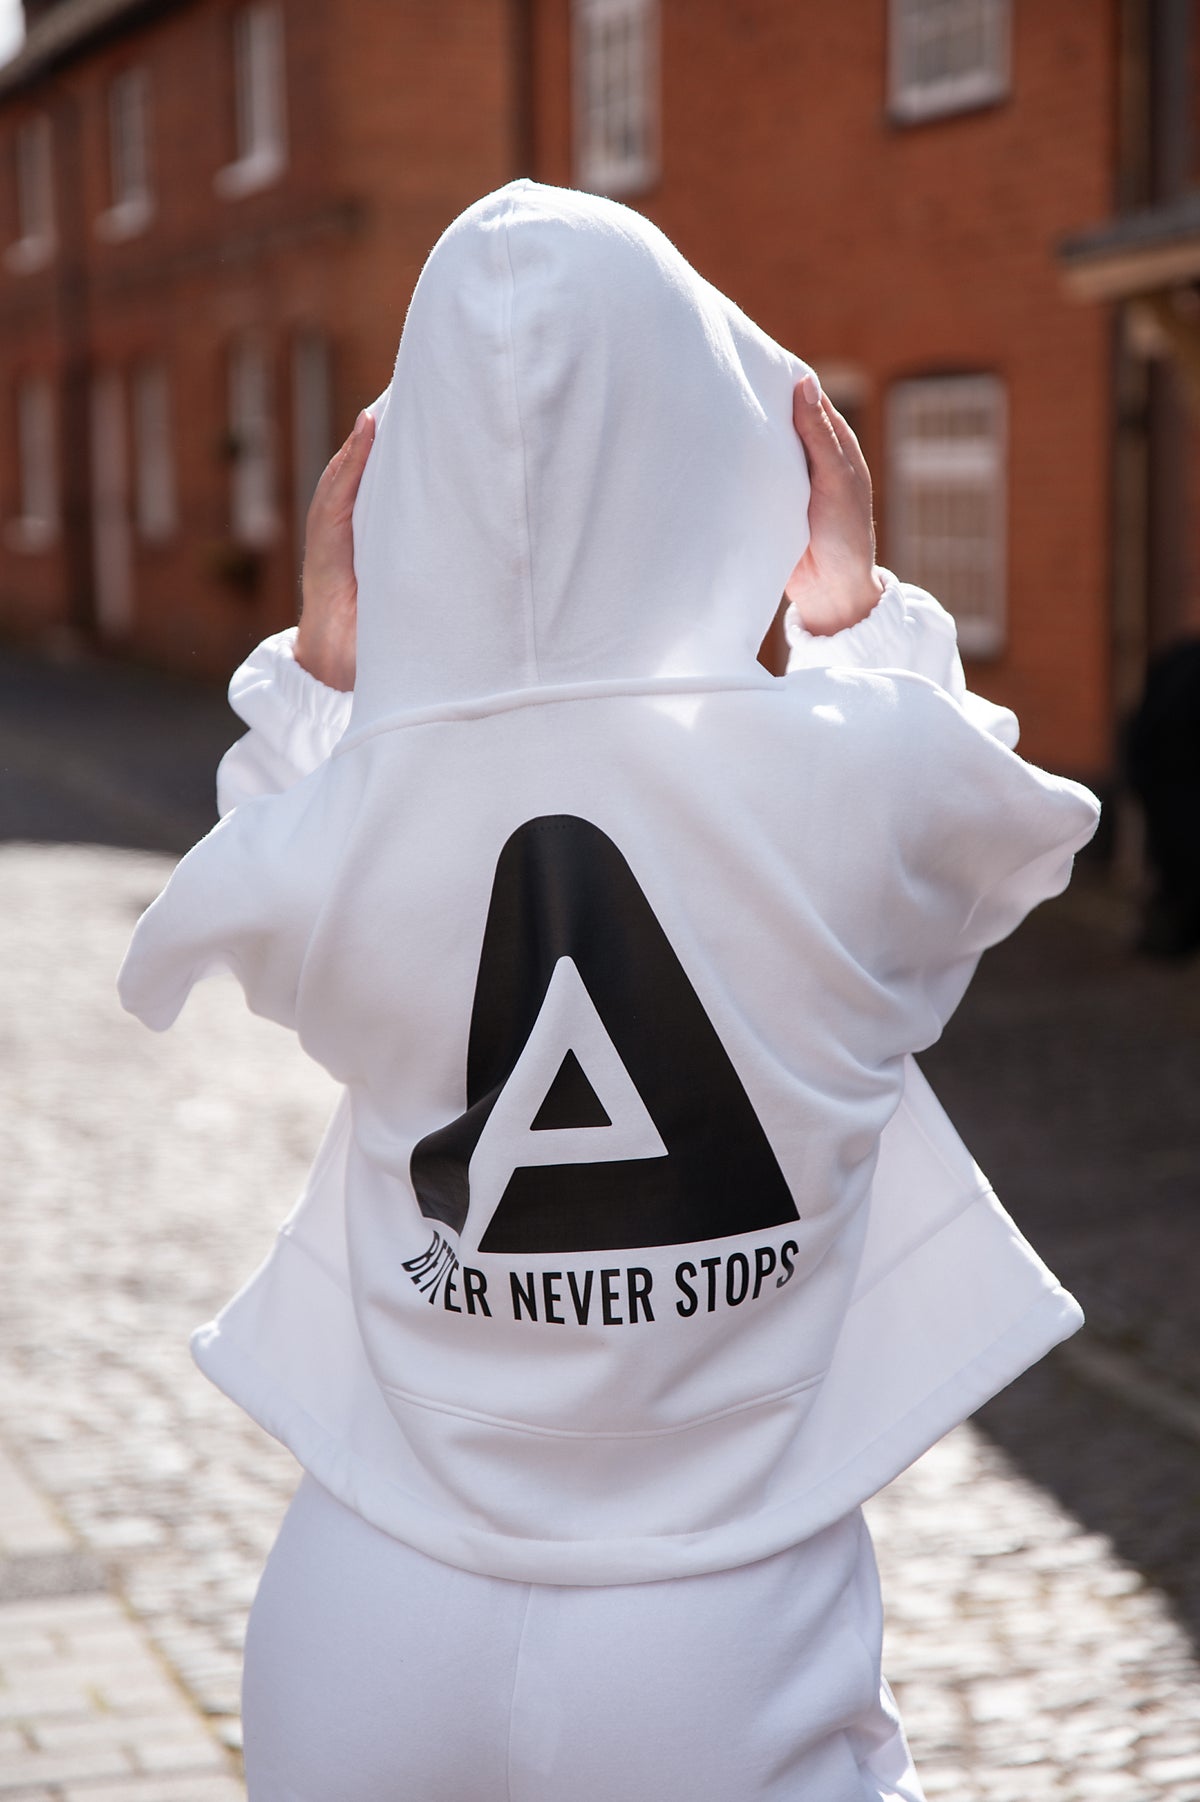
(398,116)
(883,250)
(911,250)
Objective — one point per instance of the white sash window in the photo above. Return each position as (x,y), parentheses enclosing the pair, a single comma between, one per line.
(33,151)
(946,56)
(946,499)
(616,82)
(128,156)
(260,111)
(252,445)
(36,526)
(154,454)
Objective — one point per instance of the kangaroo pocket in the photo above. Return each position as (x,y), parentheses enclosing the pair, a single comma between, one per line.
(528,1482)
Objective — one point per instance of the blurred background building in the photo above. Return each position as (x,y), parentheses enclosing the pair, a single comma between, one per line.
(978,218)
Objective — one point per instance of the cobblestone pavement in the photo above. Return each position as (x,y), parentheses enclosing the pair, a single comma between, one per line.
(89,1711)
(1042,1565)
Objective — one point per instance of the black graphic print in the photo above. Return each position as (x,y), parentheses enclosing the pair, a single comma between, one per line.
(570,1100)
(572,948)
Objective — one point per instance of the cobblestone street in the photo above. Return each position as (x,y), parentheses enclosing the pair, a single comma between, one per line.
(1041,1566)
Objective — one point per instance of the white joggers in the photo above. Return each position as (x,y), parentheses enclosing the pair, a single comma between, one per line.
(375,1674)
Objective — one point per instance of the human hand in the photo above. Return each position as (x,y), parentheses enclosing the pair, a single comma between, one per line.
(835,583)
(326,636)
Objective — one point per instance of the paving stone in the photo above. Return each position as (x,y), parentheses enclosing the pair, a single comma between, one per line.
(31,1701)
(1166,1771)
(187,1753)
(53,1768)
(157,1788)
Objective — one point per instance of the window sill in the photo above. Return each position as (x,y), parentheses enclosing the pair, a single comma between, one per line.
(29,536)
(618,180)
(942,100)
(126,219)
(250,173)
(28,254)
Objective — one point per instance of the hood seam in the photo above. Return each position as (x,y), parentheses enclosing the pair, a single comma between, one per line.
(462,712)
(530,617)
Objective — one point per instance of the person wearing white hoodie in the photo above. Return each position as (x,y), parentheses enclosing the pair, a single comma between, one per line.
(638,1253)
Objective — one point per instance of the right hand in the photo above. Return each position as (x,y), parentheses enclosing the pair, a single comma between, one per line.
(835,584)
(327,634)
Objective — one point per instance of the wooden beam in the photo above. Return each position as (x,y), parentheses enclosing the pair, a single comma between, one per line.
(1123,274)
(1180,332)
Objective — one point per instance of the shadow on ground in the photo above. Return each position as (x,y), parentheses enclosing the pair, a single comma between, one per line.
(1073,1072)
(1116,1472)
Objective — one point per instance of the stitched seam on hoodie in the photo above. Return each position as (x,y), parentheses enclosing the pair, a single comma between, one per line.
(530,621)
(962,1205)
(560,695)
(512,1696)
(503,1423)
(1049,1301)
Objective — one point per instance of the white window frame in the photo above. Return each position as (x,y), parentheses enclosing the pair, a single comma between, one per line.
(260,100)
(914,27)
(156,508)
(615,59)
(36,525)
(33,161)
(132,202)
(933,458)
(253,518)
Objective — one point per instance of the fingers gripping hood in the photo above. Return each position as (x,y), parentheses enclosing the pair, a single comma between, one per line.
(584,468)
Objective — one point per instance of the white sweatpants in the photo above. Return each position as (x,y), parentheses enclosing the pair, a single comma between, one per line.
(375,1674)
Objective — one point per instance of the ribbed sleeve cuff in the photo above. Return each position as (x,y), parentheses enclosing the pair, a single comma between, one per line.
(906,629)
(299,717)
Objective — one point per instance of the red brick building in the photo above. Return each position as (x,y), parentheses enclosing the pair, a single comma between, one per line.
(213,216)
(212,213)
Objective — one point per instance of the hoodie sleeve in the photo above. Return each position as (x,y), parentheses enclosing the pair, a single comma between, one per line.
(245,899)
(905,630)
(294,720)
(983,838)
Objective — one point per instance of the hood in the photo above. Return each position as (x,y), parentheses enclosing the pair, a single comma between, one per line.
(584,467)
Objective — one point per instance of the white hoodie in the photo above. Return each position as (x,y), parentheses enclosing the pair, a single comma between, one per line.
(619,946)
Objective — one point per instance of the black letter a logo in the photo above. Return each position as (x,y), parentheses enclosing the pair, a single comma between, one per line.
(602,1109)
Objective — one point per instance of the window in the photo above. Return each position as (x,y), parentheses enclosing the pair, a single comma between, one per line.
(616,94)
(947,56)
(259,114)
(128,156)
(946,499)
(34,169)
(112,547)
(312,420)
(154,459)
(251,431)
(37,525)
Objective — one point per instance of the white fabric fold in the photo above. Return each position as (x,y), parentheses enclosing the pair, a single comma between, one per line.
(294,720)
(905,630)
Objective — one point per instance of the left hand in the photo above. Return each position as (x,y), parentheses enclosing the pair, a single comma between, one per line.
(327,635)
(835,584)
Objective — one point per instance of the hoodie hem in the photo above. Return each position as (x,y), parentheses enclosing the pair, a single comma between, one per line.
(840,1484)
